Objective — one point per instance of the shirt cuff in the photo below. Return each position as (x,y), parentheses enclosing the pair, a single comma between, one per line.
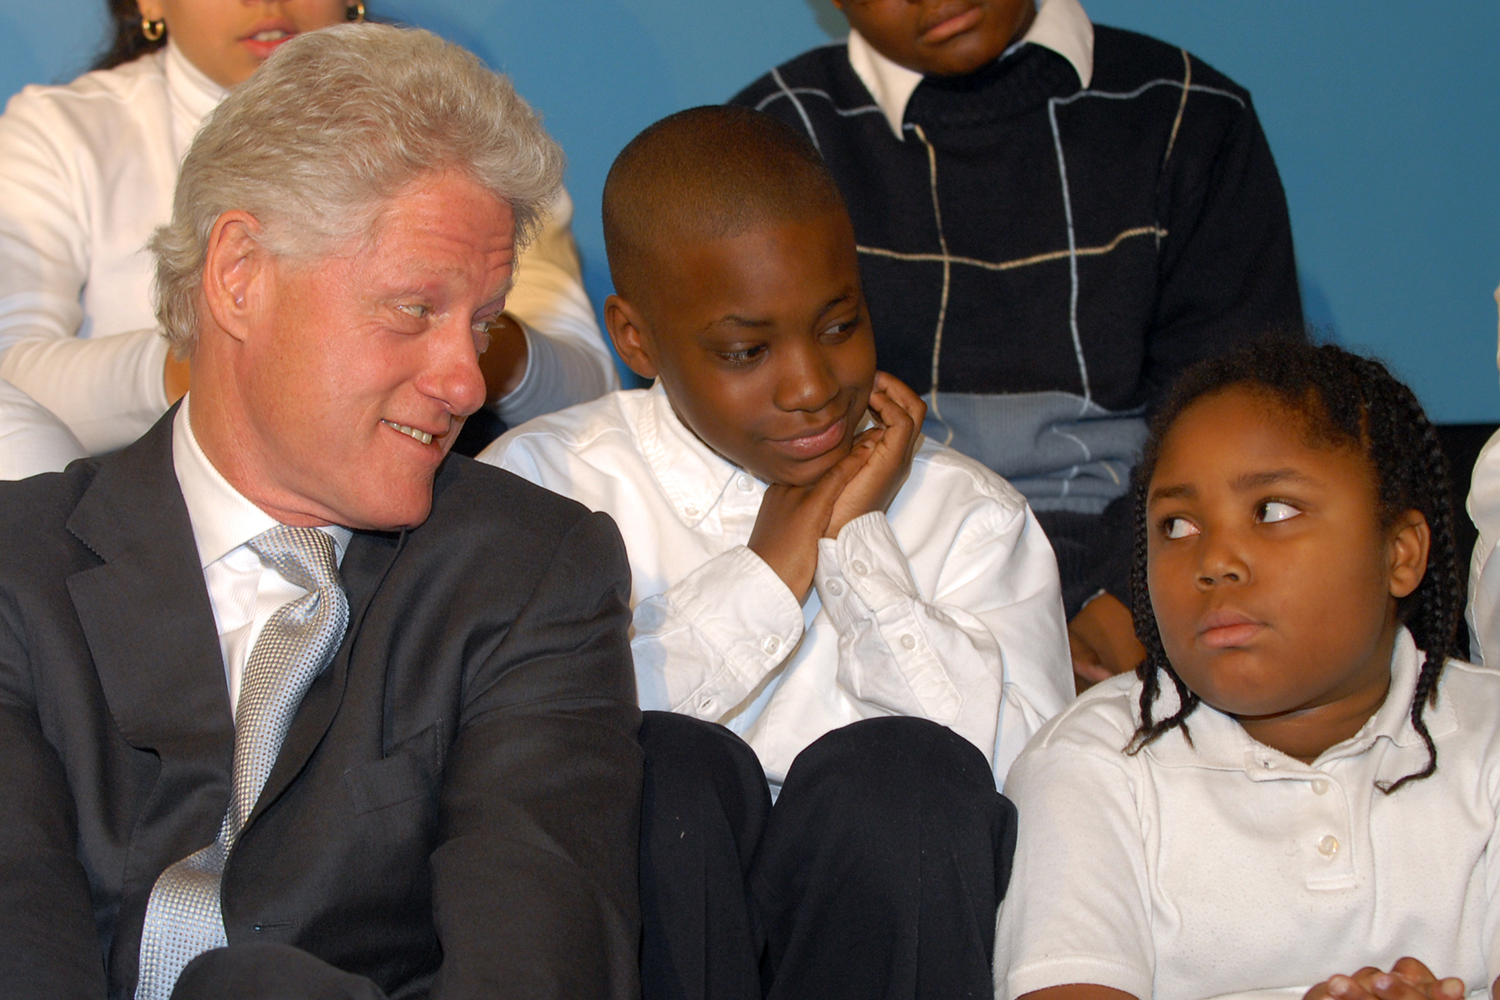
(746,612)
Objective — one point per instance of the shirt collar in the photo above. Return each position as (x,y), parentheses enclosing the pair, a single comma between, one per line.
(1060,25)
(1221,743)
(691,474)
(222,518)
(193,96)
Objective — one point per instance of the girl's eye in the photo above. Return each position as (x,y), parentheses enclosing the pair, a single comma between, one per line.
(1275,510)
(1178,527)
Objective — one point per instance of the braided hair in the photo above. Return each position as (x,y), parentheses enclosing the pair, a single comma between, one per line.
(1346,400)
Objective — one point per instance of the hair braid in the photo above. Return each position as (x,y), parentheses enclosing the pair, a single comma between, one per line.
(1346,400)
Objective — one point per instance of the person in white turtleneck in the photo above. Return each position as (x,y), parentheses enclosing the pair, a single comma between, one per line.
(90,169)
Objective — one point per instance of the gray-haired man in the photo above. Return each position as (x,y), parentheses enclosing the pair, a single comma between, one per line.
(293,706)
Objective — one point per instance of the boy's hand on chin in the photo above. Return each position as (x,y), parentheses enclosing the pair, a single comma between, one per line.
(793,518)
(1408,979)
(895,441)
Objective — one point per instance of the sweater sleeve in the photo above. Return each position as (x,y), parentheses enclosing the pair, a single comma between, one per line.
(1228,272)
(107,390)
(567,360)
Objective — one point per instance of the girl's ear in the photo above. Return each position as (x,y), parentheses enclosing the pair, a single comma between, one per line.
(1410,539)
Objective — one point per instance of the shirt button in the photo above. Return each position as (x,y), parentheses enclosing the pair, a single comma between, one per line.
(907,642)
(835,588)
(690,511)
(1319,786)
(860,568)
(744,484)
(771,645)
(1328,847)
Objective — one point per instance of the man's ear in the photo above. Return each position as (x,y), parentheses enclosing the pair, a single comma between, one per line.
(1410,540)
(235,268)
(629,333)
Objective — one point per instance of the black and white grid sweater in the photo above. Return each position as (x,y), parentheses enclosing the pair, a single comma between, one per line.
(1041,260)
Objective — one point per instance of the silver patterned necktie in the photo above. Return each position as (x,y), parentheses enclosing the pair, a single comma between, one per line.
(183,917)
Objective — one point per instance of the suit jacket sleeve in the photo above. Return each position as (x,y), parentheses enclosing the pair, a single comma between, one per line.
(534,881)
(46,915)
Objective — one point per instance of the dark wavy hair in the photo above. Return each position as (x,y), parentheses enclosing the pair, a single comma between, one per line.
(1347,401)
(126,41)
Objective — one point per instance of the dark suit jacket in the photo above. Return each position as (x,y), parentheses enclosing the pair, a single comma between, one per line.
(454,810)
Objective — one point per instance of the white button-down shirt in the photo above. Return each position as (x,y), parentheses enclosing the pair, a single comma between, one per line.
(1224,867)
(946,607)
(243,591)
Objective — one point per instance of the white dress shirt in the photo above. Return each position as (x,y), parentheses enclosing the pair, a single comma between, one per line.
(1060,25)
(88,173)
(244,591)
(946,607)
(1226,868)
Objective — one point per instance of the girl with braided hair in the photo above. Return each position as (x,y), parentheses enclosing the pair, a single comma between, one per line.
(1297,794)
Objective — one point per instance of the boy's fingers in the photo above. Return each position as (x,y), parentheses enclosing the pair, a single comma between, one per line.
(902,395)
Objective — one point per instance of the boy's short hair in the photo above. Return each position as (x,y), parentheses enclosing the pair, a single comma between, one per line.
(702,174)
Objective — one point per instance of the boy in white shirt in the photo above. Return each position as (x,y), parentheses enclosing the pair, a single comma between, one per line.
(810,573)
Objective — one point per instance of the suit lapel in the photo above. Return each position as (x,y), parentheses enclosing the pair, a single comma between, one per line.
(366,562)
(146,613)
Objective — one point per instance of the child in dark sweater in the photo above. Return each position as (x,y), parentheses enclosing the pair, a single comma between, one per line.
(1053,219)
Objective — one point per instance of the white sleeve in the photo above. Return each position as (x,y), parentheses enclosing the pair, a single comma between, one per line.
(1483,505)
(705,643)
(1484,568)
(567,359)
(986,654)
(107,390)
(1077,910)
(32,440)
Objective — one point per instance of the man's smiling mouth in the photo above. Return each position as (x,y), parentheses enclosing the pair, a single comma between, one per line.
(421,436)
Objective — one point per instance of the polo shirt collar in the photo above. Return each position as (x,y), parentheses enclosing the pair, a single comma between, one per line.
(1221,743)
(223,518)
(691,474)
(1060,25)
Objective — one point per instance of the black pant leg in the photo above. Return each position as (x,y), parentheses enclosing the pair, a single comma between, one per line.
(883,865)
(703,809)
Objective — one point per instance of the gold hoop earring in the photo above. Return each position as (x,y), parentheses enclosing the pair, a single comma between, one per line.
(153,30)
(355,13)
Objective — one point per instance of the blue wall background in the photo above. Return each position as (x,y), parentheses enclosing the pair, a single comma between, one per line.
(1384,117)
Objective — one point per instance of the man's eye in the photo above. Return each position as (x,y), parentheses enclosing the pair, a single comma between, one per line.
(415,310)
(1178,527)
(1275,510)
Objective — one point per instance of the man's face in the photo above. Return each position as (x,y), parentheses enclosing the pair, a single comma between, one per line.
(764,344)
(359,370)
(941,37)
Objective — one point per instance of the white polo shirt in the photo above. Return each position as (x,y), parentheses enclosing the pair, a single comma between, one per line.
(1226,867)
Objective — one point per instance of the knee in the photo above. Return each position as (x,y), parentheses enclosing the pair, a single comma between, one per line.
(899,770)
(697,768)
